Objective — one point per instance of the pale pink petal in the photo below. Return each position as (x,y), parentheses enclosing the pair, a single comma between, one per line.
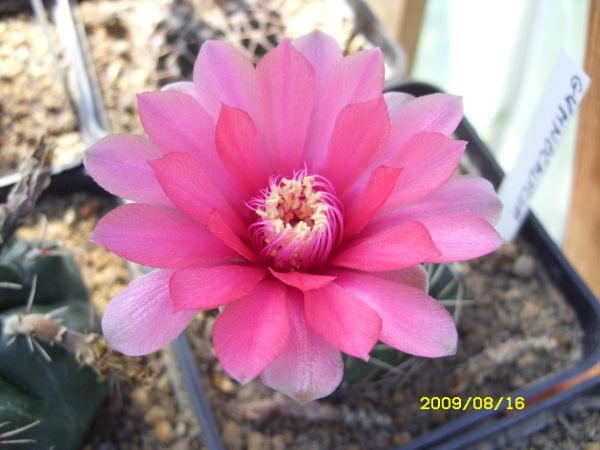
(393,248)
(428,161)
(176,122)
(308,368)
(188,187)
(461,236)
(360,132)
(363,74)
(324,54)
(119,163)
(252,331)
(342,320)
(354,79)
(157,237)
(238,148)
(222,74)
(221,229)
(140,319)
(395,101)
(380,185)
(286,90)
(415,276)
(412,321)
(439,113)
(187,87)
(209,287)
(302,281)
(464,193)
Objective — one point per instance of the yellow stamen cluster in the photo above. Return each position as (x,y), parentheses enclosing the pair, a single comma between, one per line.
(294,206)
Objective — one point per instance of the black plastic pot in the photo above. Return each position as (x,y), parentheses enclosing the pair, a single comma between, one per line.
(471,428)
(478,426)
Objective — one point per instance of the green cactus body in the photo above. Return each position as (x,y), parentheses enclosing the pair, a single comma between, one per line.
(62,394)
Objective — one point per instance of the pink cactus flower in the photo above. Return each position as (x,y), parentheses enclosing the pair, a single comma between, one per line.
(298,199)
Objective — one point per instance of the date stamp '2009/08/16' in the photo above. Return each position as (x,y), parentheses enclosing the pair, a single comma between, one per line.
(475,403)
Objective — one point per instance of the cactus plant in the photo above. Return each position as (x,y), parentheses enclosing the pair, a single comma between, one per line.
(47,397)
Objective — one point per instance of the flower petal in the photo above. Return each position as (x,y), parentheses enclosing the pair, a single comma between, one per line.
(461,236)
(191,191)
(187,87)
(380,185)
(157,237)
(360,132)
(140,319)
(342,320)
(308,368)
(252,331)
(302,281)
(286,89)
(176,122)
(466,193)
(225,233)
(237,146)
(412,321)
(363,74)
(209,287)
(119,163)
(393,248)
(415,276)
(439,113)
(395,101)
(428,161)
(222,74)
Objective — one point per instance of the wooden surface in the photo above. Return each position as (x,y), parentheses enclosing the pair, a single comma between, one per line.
(582,242)
(402,19)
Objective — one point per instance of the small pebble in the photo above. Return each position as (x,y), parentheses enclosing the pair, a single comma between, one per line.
(232,435)
(402,438)
(140,397)
(256,441)
(163,431)
(155,414)
(223,383)
(524,266)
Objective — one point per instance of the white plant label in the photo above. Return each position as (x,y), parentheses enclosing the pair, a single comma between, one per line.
(560,100)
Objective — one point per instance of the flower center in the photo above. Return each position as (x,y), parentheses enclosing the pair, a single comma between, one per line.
(299,222)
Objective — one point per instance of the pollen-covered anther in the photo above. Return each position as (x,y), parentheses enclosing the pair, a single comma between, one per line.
(299,222)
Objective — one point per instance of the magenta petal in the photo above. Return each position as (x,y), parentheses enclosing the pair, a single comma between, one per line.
(360,132)
(439,113)
(157,237)
(140,319)
(302,281)
(237,146)
(221,229)
(222,74)
(252,331)
(380,185)
(412,321)
(342,320)
(286,89)
(209,287)
(119,163)
(398,247)
(191,190)
(461,236)
(428,161)
(308,368)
